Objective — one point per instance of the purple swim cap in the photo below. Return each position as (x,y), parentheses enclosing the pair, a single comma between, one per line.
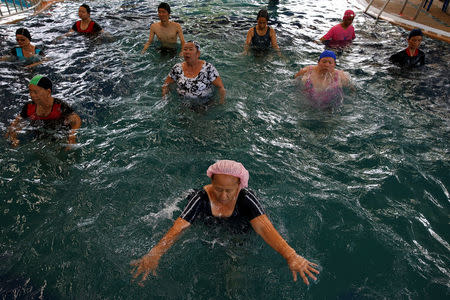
(229,167)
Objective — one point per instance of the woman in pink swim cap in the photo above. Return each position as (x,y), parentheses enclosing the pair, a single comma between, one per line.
(225,198)
(341,34)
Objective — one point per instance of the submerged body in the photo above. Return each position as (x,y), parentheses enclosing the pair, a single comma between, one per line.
(226,198)
(194,77)
(323,84)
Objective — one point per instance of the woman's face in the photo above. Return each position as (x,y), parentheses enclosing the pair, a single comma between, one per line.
(225,188)
(190,52)
(22,40)
(82,13)
(262,23)
(326,64)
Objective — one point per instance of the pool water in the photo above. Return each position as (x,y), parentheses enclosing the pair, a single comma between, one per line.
(361,190)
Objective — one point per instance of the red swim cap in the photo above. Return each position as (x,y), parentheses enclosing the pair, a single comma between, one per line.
(349,14)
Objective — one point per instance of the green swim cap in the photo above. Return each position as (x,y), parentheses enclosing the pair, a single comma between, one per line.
(41,81)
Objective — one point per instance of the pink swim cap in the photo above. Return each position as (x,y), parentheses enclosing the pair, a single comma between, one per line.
(349,14)
(229,167)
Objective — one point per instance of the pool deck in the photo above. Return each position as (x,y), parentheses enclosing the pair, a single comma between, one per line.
(26,13)
(434,23)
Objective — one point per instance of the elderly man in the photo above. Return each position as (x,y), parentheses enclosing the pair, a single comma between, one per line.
(45,112)
(341,34)
(166,31)
(226,198)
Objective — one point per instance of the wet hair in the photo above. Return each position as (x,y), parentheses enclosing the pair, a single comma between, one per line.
(197,45)
(415,32)
(88,9)
(24,32)
(263,14)
(165,6)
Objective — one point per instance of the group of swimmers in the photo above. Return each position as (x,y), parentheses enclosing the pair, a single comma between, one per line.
(227,196)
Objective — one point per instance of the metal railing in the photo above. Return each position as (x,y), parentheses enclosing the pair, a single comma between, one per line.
(13,7)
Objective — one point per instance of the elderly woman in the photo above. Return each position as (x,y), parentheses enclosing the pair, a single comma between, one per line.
(26,52)
(45,112)
(322,82)
(226,198)
(341,34)
(261,37)
(194,77)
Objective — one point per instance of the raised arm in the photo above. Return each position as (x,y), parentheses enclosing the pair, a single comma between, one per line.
(150,39)
(265,229)
(219,84)
(149,262)
(11,132)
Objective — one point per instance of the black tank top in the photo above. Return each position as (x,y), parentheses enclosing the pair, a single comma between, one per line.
(261,42)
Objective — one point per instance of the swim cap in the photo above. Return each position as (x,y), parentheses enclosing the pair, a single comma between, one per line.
(328,53)
(24,32)
(415,32)
(165,6)
(263,14)
(229,167)
(88,9)
(41,81)
(197,45)
(349,14)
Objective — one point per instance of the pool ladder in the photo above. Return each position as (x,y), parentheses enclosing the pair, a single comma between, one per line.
(13,7)
(401,11)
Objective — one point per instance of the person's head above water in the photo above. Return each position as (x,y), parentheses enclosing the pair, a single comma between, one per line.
(231,168)
(415,32)
(24,32)
(327,53)
(42,81)
(263,14)
(86,7)
(84,12)
(165,6)
(347,20)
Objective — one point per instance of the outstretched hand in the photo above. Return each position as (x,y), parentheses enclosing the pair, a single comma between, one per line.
(148,263)
(303,267)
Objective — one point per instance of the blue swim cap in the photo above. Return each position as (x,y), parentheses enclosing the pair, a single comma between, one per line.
(328,53)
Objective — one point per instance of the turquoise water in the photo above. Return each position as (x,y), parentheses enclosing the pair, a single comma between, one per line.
(361,191)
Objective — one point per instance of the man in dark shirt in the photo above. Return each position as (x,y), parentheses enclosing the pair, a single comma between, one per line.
(45,112)
(410,57)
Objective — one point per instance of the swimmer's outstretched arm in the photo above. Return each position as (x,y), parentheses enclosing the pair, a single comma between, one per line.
(11,133)
(150,39)
(149,262)
(75,122)
(265,229)
(219,84)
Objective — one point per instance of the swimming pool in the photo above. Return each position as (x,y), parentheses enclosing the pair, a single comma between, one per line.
(362,191)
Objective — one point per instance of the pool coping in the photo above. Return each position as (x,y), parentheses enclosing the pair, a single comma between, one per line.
(407,24)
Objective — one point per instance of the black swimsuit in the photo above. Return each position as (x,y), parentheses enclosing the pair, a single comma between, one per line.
(199,207)
(261,42)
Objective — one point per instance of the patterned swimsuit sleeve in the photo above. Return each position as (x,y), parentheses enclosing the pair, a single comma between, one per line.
(176,72)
